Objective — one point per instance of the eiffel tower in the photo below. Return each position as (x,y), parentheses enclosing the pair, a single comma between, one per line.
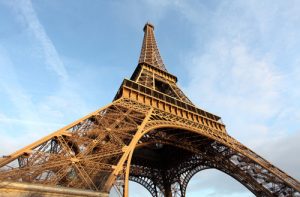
(151,134)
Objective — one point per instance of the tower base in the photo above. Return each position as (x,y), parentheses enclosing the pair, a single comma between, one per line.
(15,189)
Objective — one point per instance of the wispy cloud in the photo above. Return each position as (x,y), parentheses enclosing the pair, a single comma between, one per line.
(244,67)
(5,120)
(234,81)
(33,116)
(11,86)
(29,17)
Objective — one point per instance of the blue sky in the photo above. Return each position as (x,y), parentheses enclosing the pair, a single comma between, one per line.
(60,60)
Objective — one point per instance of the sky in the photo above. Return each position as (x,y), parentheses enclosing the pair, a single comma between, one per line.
(60,60)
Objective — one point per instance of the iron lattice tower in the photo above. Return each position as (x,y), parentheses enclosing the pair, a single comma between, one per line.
(151,134)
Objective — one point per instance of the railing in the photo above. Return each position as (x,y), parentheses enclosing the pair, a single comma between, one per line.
(164,97)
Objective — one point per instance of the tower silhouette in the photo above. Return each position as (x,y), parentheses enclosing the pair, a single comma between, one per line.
(151,134)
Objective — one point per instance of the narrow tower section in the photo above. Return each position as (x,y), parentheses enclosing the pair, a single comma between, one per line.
(151,71)
(149,53)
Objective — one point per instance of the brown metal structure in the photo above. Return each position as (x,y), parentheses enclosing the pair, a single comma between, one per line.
(151,134)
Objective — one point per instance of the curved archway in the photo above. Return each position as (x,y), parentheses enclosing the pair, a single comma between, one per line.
(213,182)
(207,151)
(136,190)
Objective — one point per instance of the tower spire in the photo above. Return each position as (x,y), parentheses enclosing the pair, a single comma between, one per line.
(151,134)
(149,52)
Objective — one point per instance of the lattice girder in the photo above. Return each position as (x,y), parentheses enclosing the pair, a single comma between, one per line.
(148,76)
(81,155)
(163,119)
(152,134)
(223,158)
(84,154)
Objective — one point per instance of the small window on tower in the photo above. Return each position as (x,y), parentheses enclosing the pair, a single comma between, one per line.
(164,88)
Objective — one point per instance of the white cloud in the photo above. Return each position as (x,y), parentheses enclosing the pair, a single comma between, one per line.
(230,74)
(33,117)
(5,120)
(12,88)
(282,151)
(241,74)
(229,80)
(29,18)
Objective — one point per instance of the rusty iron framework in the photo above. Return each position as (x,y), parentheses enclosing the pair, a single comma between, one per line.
(151,134)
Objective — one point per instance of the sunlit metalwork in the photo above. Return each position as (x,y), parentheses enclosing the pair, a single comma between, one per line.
(151,134)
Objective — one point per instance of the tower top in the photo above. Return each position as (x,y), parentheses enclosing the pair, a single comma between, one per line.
(149,53)
(148,25)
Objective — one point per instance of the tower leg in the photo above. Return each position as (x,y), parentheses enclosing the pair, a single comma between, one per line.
(126,181)
(127,155)
(168,190)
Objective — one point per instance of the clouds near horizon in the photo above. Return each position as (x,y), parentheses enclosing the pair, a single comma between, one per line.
(237,59)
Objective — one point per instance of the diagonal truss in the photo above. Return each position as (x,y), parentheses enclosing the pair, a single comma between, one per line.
(151,134)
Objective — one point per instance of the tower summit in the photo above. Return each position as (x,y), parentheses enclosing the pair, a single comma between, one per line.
(151,134)
(149,52)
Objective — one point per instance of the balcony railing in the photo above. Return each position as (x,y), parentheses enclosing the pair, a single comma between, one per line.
(167,98)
